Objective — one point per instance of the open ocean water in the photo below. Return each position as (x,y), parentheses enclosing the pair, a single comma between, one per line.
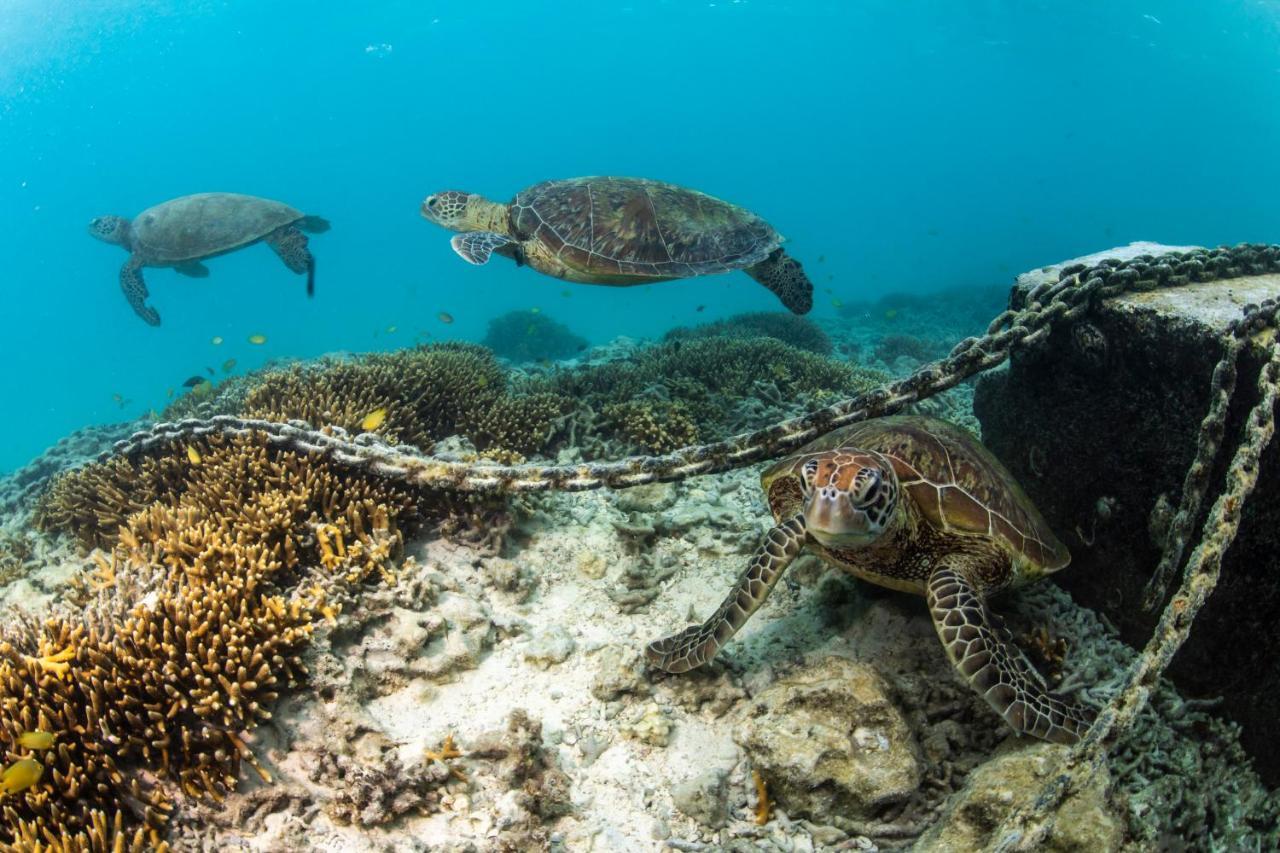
(912,145)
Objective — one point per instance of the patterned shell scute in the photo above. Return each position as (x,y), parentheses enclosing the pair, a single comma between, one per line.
(957,483)
(640,228)
(206,224)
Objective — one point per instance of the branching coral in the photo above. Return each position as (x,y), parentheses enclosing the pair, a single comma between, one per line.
(428,393)
(799,332)
(219,571)
(531,336)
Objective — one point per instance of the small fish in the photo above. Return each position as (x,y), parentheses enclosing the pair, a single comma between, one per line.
(700,309)
(35,740)
(20,775)
(565,293)
(257,340)
(831,278)
(891,313)
(228,365)
(1153,19)
(836,303)
(209,370)
(445,317)
(120,400)
(822,259)
(193,455)
(216,340)
(169,393)
(373,420)
(194,381)
(535,310)
(391,330)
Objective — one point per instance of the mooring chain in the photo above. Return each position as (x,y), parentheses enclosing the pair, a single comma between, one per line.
(1076,291)
(1027,828)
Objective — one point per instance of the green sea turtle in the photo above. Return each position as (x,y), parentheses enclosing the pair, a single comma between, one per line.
(621,232)
(914,504)
(182,232)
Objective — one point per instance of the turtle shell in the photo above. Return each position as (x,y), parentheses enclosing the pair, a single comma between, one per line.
(631,228)
(958,485)
(206,224)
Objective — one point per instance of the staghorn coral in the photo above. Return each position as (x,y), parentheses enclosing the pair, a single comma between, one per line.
(531,336)
(217,572)
(799,332)
(428,393)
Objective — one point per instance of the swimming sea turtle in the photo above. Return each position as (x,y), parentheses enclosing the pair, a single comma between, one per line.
(182,232)
(913,504)
(621,232)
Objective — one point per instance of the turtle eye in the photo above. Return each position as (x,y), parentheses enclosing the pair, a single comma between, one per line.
(866,485)
(432,202)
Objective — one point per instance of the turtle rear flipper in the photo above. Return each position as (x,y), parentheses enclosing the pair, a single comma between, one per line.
(475,247)
(783,274)
(313,224)
(698,644)
(194,269)
(291,245)
(135,290)
(985,654)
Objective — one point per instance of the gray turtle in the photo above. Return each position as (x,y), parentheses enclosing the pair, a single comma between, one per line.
(182,232)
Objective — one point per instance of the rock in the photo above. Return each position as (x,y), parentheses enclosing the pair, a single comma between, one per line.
(704,798)
(830,743)
(651,497)
(620,670)
(653,727)
(548,648)
(1099,425)
(1010,780)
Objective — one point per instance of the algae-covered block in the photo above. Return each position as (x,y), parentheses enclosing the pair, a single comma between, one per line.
(1099,423)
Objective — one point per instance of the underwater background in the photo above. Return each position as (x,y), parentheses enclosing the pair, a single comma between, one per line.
(900,146)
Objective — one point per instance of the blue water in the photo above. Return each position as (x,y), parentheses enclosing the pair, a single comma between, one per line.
(914,145)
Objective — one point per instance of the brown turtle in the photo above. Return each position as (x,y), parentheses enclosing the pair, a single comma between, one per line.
(621,232)
(913,504)
(182,232)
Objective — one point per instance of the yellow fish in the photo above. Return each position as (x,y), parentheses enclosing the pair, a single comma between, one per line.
(258,340)
(891,313)
(391,330)
(228,365)
(216,340)
(20,775)
(373,420)
(445,317)
(193,455)
(535,310)
(35,740)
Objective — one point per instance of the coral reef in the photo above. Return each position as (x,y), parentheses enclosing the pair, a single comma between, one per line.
(523,336)
(799,332)
(220,559)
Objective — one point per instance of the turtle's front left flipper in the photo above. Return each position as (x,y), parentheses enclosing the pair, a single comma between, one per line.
(983,651)
(290,244)
(475,247)
(698,644)
(135,290)
(783,274)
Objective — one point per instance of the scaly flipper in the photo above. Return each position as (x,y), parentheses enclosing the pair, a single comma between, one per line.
(135,290)
(195,269)
(698,644)
(783,274)
(291,245)
(983,651)
(475,247)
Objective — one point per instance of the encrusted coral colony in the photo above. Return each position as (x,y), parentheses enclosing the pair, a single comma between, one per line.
(234,627)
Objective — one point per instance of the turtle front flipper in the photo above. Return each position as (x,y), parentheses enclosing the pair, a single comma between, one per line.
(475,247)
(983,651)
(291,245)
(135,290)
(783,274)
(698,644)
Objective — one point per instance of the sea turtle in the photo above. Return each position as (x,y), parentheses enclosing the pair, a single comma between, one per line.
(621,232)
(914,504)
(182,232)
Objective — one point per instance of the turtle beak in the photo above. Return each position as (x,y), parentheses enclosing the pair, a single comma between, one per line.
(832,519)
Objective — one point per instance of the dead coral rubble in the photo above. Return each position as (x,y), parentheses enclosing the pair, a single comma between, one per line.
(222,556)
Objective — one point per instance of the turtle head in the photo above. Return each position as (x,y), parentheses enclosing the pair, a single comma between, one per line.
(456,210)
(111,229)
(850,497)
